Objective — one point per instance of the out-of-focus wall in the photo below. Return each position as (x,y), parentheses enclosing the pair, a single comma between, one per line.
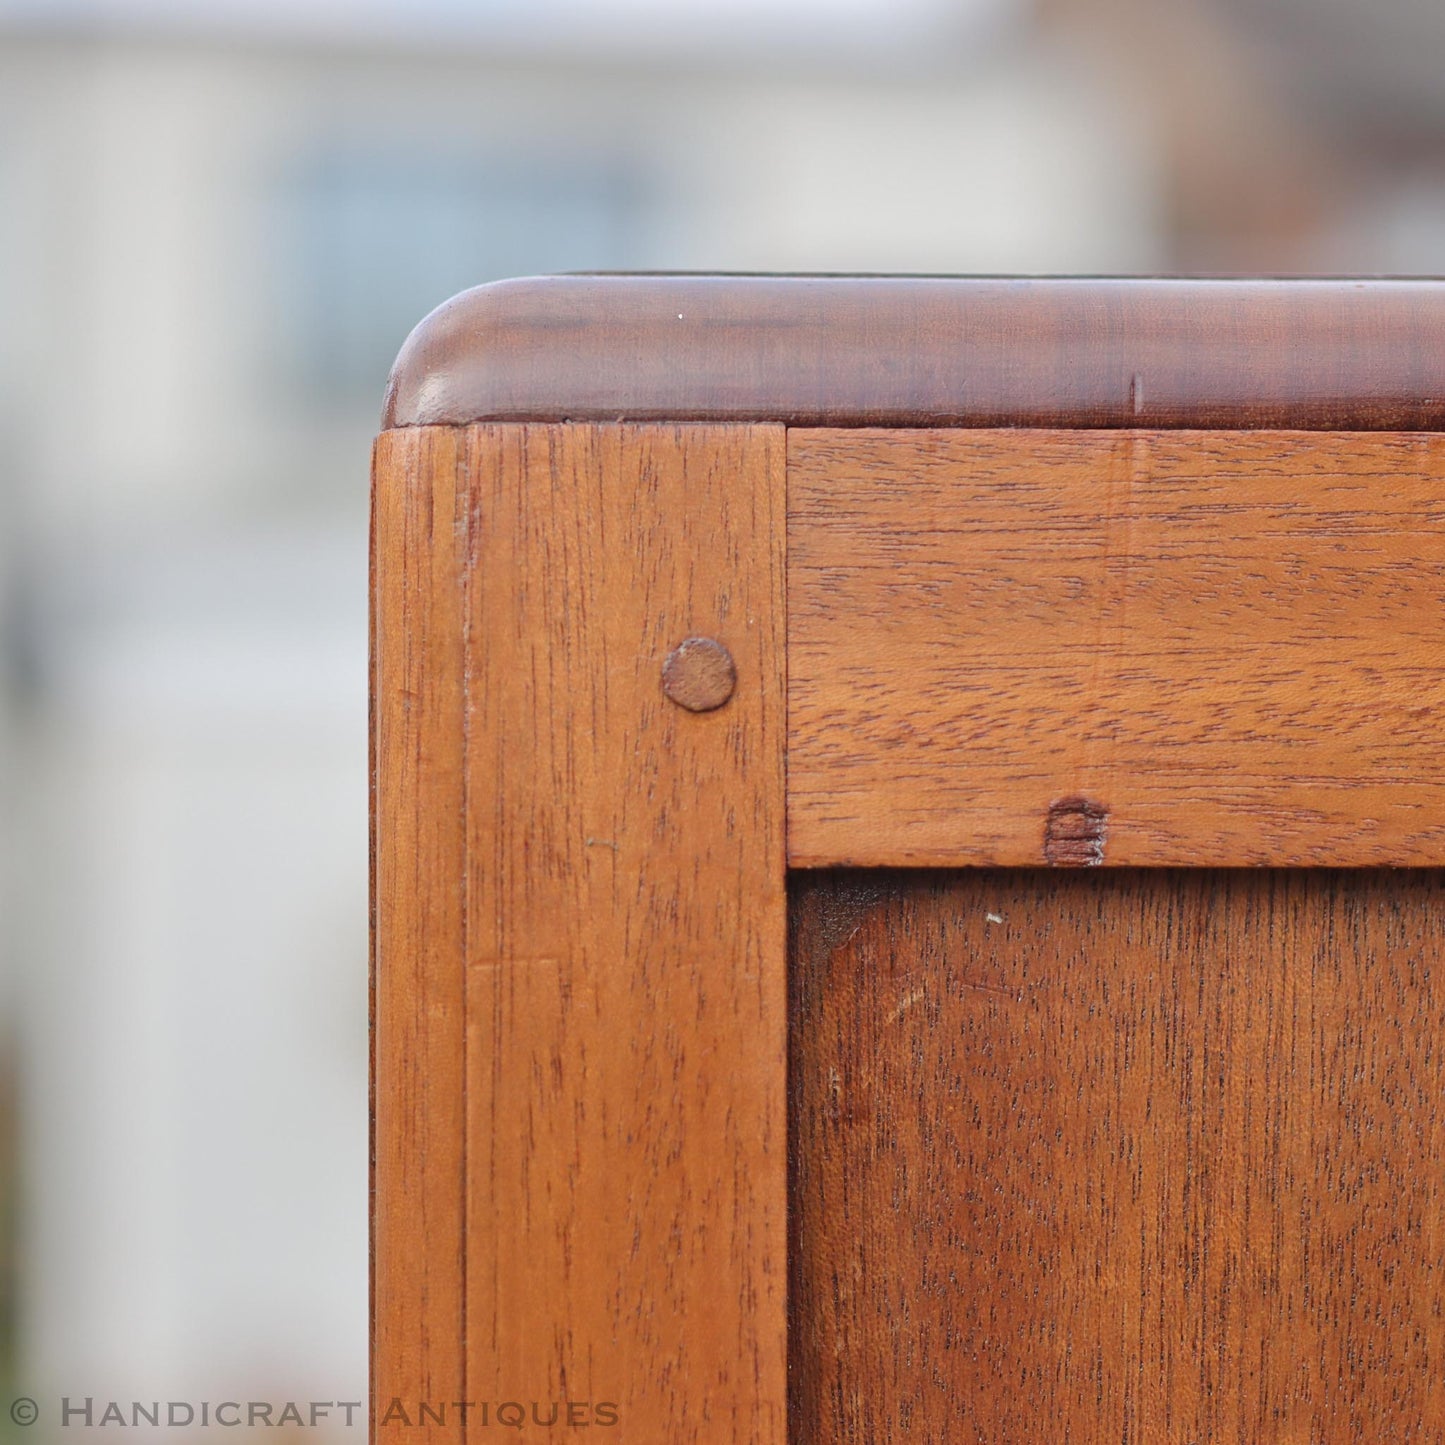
(211,244)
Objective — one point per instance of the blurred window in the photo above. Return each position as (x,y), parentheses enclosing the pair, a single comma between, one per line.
(375,241)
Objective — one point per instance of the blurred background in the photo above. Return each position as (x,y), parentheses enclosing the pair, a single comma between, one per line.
(217,223)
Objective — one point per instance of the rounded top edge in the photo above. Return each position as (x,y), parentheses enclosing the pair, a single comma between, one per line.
(899,350)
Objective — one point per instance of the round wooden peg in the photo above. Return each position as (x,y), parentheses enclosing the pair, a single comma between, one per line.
(698,674)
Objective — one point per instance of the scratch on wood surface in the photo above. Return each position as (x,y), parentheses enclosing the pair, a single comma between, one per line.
(511,962)
(1014,995)
(913,996)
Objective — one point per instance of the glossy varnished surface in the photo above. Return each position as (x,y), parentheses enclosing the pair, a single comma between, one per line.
(908,351)
(1143,1156)
(1116,647)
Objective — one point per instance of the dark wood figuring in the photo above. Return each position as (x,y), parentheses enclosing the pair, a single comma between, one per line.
(1146,1156)
(919,351)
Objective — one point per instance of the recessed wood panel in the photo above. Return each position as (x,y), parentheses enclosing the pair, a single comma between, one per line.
(1011,647)
(1145,1155)
(580,1026)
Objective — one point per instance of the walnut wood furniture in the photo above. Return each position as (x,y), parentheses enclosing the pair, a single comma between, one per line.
(907,829)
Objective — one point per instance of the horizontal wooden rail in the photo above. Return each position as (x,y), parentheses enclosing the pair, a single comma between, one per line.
(1132,647)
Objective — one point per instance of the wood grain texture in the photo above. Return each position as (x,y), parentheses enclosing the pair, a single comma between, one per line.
(1138,1156)
(418,944)
(1194,647)
(607,922)
(908,351)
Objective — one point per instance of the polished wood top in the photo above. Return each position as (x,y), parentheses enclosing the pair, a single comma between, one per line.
(931,351)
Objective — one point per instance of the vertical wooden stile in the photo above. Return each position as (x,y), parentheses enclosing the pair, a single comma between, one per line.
(418,1185)
(580,1019)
